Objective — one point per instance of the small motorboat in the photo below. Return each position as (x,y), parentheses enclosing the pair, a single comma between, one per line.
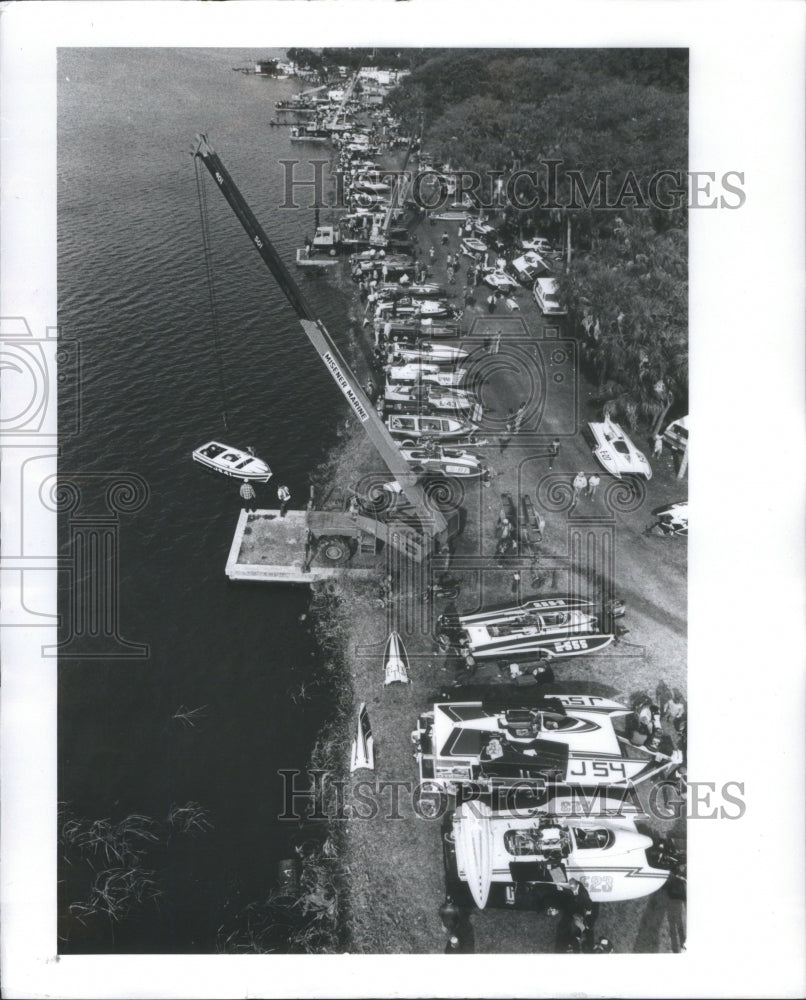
(616,452)
(232,462)
(500,856)
(427,399)
(363,748)
(395,661)
(413,427)
(472,247)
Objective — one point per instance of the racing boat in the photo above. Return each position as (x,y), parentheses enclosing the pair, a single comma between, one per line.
(363,748)
(413,373)
(616,452)
(450,462)
(548,628)
(396,290)
(565,739)
(395,661)
(232,462)
(412,427)
(436,354)
(427,398)
(673,518)
(409,307)
(506,859)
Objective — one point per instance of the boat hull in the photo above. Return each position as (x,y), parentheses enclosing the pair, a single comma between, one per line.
(232,462)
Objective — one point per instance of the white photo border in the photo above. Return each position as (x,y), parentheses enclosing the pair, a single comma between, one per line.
(746,681)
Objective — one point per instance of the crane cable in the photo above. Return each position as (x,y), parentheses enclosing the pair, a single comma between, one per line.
(208,261)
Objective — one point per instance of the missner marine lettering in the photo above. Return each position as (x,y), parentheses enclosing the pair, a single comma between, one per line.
(345,386)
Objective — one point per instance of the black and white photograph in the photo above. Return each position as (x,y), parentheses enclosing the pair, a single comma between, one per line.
(346,506)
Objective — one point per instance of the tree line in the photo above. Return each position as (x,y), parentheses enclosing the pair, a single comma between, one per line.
(625,270)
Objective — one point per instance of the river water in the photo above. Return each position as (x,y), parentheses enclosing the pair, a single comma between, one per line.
(133,294)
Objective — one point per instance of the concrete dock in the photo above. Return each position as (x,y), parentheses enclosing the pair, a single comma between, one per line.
(270,548)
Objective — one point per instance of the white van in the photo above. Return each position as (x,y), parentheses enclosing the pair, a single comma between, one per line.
(676,434)
(545,292)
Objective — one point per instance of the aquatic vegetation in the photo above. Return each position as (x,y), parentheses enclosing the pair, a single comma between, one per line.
(189,716)
(189,818)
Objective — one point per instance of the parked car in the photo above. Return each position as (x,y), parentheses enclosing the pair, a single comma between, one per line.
(528,267)
(545,293)
(539,244)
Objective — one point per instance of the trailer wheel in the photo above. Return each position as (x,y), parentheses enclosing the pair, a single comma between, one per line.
(408,443)
(419,469)
(334,549)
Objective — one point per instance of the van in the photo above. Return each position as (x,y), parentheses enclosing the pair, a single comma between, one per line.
(545,292)
(676,434)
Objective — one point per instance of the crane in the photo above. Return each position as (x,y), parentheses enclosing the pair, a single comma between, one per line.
(432,524)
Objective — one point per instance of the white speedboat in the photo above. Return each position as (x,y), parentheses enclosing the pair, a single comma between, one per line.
(454,463)
(232,462)
(546,628)
(512,853)
(395,661)
(415,373)
(616,452)
(362,755)
(436,354)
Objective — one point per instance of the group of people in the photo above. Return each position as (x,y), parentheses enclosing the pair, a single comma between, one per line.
(249,497)
(586,485)
(569,901)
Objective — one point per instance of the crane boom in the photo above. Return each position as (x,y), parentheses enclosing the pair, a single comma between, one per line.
(431,519)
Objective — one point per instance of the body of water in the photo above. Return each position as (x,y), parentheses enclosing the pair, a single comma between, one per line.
(133,293)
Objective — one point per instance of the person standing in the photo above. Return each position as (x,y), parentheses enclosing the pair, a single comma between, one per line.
(487,344)
(503,441)
(579,484)
(657,446)
(461,231)
(593,482)
(284,496)
(519,416)
(491,305)
(497,341)
(248,496)
(554,451)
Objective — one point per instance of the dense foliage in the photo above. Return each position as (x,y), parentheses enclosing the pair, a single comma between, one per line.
(620,111)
